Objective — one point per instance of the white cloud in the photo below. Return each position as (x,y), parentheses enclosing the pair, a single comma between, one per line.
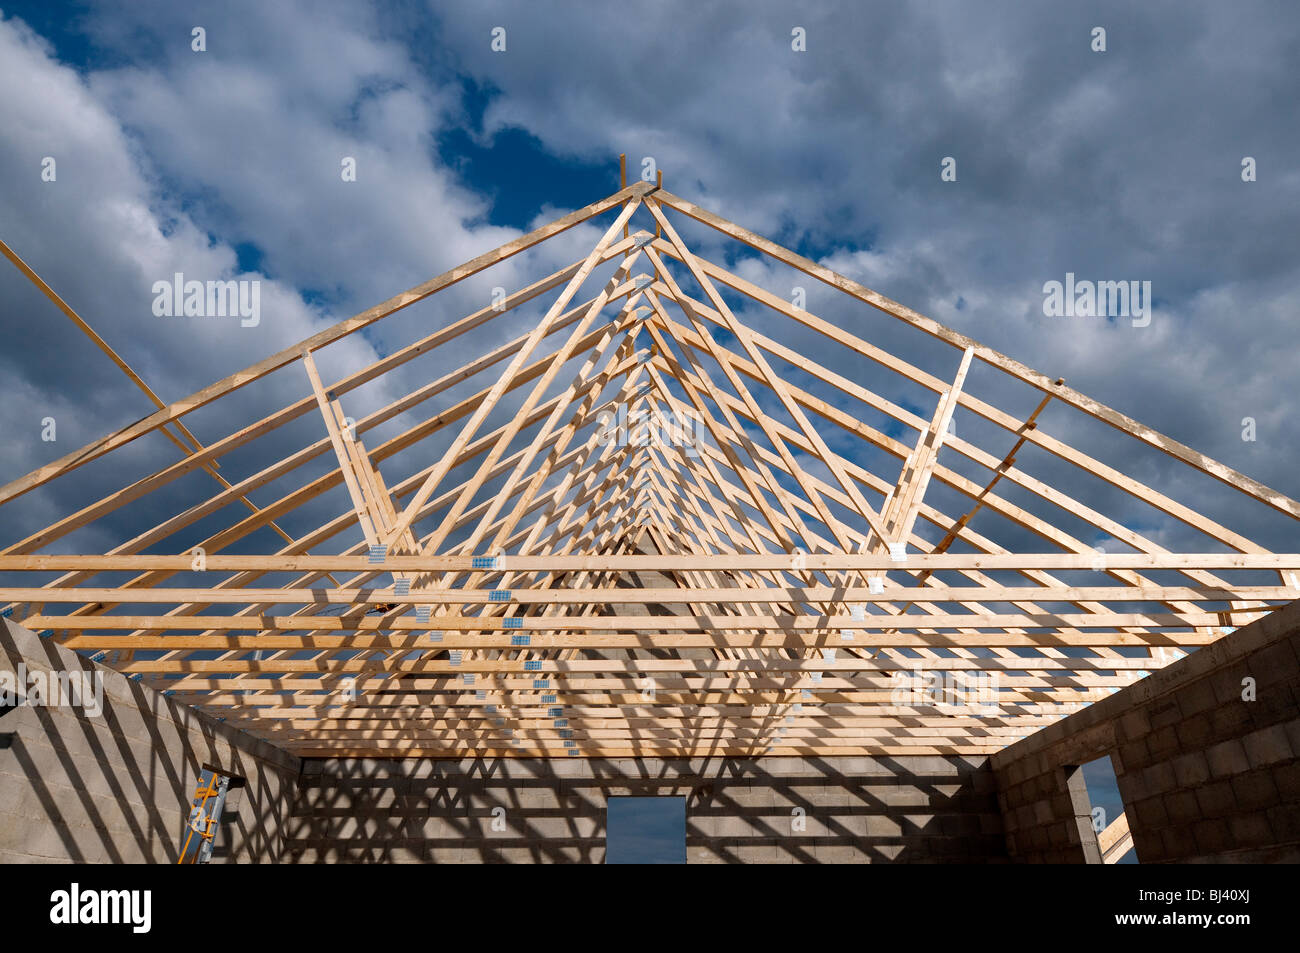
(1067,162)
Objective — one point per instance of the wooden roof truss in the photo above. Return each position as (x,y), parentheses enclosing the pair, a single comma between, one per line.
(783,579)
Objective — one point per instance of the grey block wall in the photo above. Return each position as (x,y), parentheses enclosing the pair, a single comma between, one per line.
(1206,774)
(851,810)
(116,788)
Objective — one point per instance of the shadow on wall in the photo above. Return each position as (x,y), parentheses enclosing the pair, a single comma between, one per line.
(758,810)
(111,781)
(1206,754)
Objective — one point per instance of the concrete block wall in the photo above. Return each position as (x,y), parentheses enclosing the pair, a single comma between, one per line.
(854,810)
(1206,774)
(116,788)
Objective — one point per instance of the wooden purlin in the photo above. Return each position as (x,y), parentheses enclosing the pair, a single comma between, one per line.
(778,621)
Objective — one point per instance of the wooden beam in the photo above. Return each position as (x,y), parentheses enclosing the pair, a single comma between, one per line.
(1114,418)
(206,395)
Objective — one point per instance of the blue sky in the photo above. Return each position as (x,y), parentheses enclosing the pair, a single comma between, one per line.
(1115,164)
(645,830)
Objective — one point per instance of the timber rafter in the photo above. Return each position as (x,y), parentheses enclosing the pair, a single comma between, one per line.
(642,526)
